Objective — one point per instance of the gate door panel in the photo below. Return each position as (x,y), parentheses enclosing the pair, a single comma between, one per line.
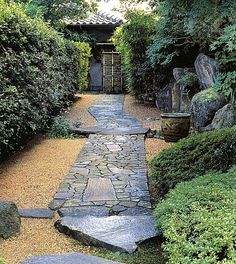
(112,72)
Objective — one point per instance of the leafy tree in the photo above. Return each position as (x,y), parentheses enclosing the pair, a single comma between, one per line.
(184,25)
(57,12)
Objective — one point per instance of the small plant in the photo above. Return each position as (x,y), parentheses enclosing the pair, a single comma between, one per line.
(188,79)
(60,128)
(2,261)
(198,220)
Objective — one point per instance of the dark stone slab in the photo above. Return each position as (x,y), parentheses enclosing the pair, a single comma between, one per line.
(84,211)
(73,258)
(36,213)
(116,233)
(99,189)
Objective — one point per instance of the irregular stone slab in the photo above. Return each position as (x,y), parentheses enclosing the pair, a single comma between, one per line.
(84,211)
(36,213)
(99,189)
(9,219)
(73,258)
(116,233)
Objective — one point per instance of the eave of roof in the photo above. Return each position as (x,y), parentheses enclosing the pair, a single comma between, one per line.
(98,19)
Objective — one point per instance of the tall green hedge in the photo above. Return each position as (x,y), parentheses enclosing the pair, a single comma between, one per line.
(39,74)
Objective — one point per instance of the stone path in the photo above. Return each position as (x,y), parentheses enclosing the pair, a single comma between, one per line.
(109,176)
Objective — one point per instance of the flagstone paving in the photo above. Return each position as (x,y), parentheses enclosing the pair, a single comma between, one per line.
(109,176)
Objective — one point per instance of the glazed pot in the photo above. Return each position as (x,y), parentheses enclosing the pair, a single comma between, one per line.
(175,126)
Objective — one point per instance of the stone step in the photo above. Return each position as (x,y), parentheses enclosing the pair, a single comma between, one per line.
(107,131)
(115,233)
(40,213)
(73,258)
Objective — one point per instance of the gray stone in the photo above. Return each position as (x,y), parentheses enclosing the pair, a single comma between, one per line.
(73,258)
(206,69)
(9,219)
(182,93)
(164,98)
(116,233)
(204,105)
(36,213)
(100,189)
(84,211)
(224,117)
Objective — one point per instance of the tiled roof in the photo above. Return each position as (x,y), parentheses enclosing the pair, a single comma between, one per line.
(100,18)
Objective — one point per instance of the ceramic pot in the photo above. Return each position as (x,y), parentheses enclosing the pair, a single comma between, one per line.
(175,126)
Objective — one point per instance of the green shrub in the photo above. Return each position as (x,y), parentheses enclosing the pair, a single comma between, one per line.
(225,48)
(84,56)
(60,128)
(193,157)
(1,261)
(198,220)
(39,74)
(132,40)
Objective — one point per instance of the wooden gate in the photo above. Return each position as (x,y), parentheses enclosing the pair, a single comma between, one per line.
(112,72)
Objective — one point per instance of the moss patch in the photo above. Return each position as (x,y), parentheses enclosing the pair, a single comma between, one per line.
(206,95)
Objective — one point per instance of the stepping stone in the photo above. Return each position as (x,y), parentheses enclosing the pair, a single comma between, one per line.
(73,258)
(99,189)
(125,131)
(116,233)
(36,213)
(84,211)
(85,130)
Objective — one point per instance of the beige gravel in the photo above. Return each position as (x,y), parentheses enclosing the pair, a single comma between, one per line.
(78,112)
(142,111)
(38,237)
(31,177)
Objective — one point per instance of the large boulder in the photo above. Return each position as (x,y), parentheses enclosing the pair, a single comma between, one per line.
(204,105)
(206,69)
(9,219)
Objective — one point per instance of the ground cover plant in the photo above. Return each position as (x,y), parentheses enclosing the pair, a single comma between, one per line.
(198,220)
(193,157)
(39,74)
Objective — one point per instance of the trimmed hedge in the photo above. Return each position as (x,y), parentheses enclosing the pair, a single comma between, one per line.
(39,74)
(198,220)
(193,157)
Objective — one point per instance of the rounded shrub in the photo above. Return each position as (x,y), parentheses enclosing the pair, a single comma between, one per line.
(193,157)
(198,220)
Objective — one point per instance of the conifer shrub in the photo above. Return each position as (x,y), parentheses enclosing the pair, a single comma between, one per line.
(39,74)
(198,220)
(193,157)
